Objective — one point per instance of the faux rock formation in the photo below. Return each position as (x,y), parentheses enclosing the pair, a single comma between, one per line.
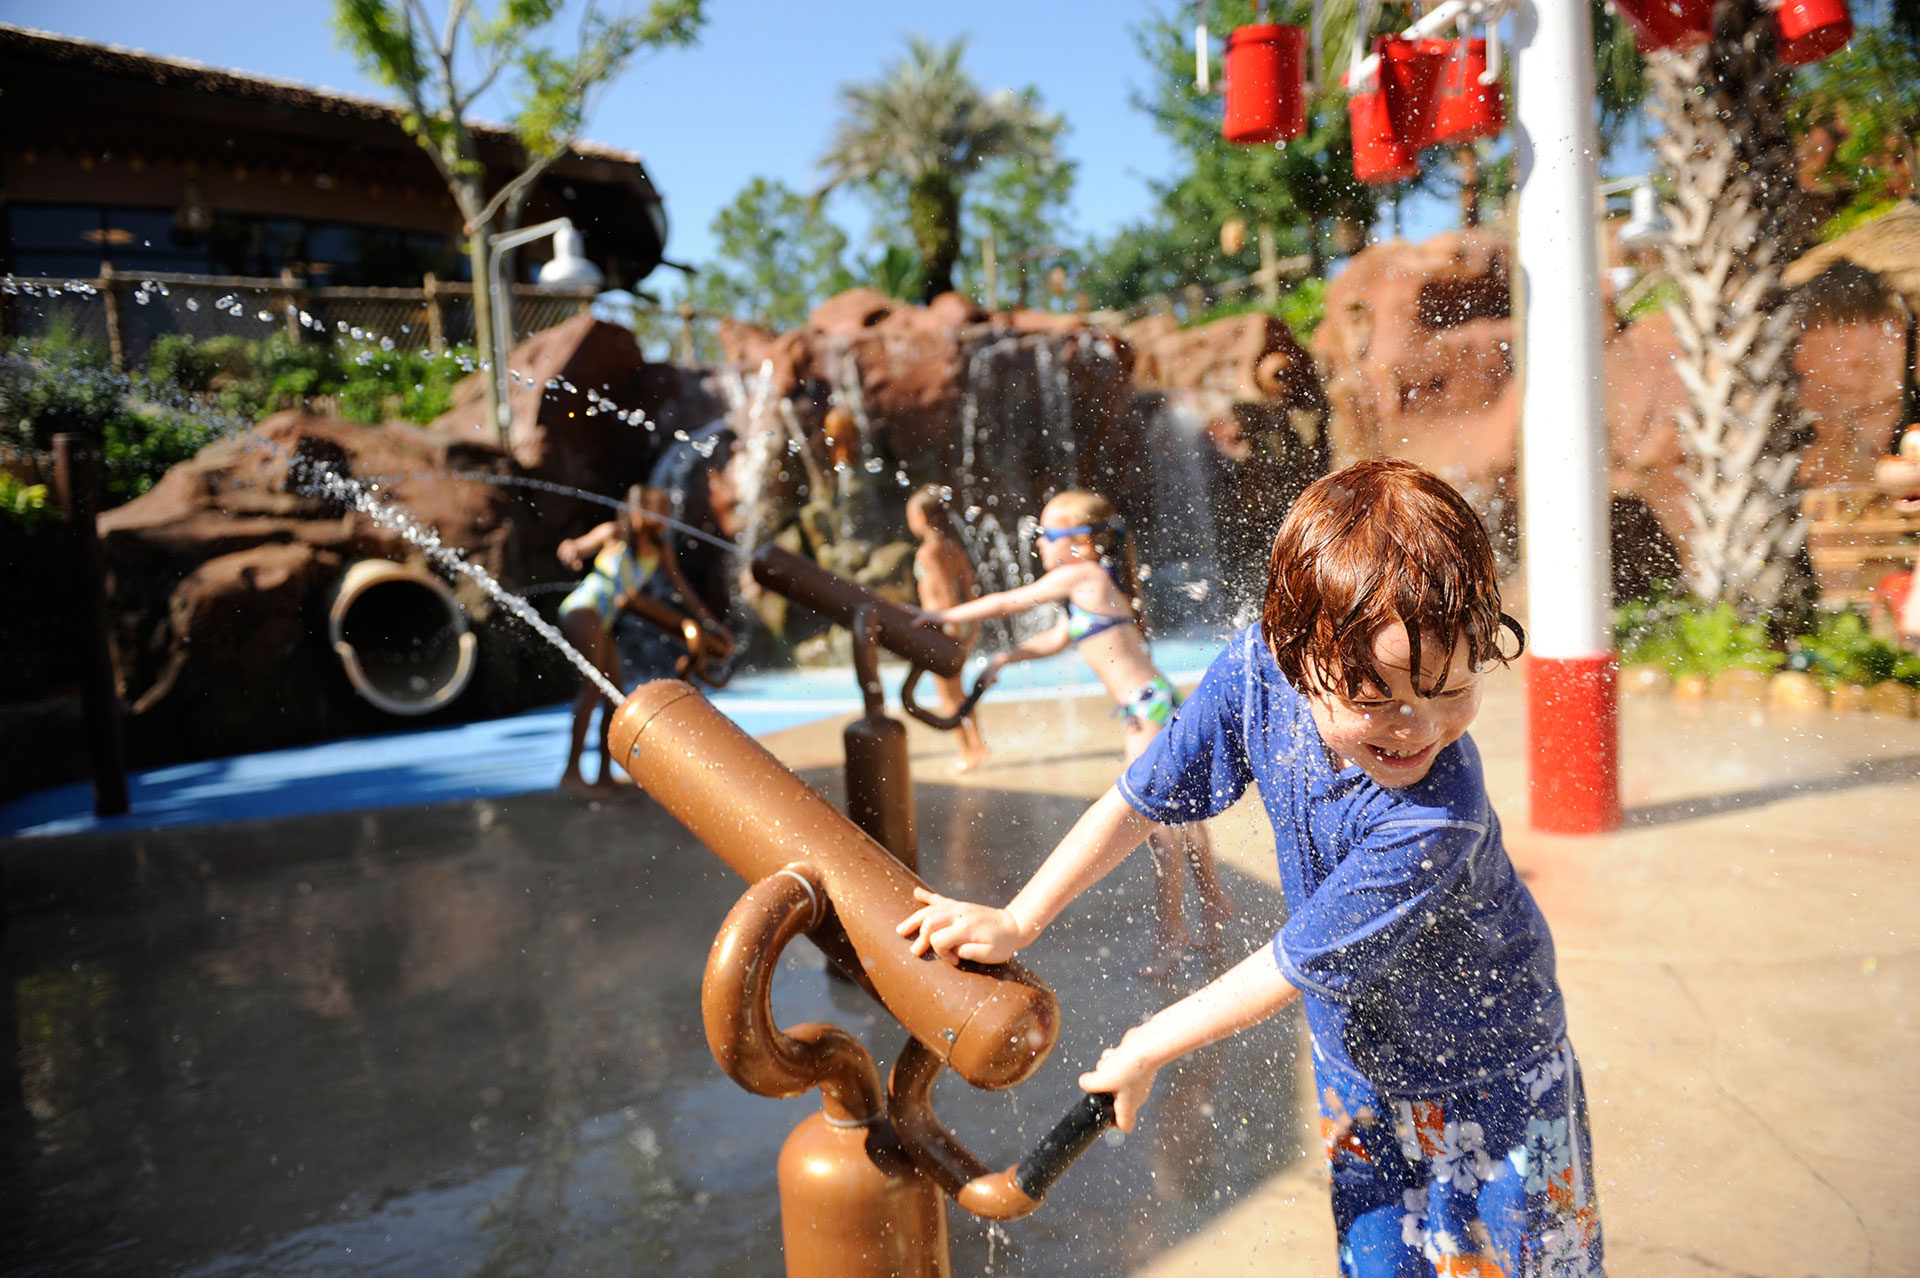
(218,579)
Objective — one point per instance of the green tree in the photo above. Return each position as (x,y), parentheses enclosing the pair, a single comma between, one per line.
(926,125)
(1866,98)
(441,67)
(777,257)
(1021,213)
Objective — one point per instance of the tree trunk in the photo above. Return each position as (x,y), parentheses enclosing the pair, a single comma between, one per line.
(470,200)
(1736,221)
(933,204)
(1469,161)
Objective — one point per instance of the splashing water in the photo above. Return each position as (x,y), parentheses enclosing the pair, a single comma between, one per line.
(321,480)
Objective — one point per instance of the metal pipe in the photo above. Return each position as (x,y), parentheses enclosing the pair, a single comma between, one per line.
(993,1025)
(497,245)
(899,630)
(401,637)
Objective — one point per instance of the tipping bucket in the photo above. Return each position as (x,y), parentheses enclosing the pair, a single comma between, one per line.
(1378,155)
(1410,83)
(1667,24)
(1469,110)
(1812,29)
(1265,70)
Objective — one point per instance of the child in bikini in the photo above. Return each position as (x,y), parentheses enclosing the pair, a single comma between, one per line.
(1090,568)
(1452,1106)
(625,553)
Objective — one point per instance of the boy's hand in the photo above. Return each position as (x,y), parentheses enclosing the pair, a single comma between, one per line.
(1129,1075)
(961,929)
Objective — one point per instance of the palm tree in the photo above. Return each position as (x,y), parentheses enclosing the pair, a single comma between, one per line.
(926,124)
(1737,221)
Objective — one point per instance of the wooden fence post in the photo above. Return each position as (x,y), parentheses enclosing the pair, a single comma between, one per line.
(76,475)
(110,296)
(292,301)
(436,322)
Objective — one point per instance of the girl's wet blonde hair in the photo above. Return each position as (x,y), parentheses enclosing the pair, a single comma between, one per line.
(931,501)
(1109,535)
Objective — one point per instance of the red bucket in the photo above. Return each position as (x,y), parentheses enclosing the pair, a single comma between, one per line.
(1468,109)
(1378,154)
(1667,24)
(1410,82)
(1265,70)
(1812,29)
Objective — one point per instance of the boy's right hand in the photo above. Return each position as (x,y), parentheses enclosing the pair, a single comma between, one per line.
(1128,1072)
(962,929)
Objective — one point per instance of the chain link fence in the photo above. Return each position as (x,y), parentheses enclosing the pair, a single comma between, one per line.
(124,314)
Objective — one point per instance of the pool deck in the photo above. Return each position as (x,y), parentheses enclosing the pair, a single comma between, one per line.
(1739,963)
(1740,968)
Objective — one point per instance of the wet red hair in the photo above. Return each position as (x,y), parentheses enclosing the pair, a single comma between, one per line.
(1380,542)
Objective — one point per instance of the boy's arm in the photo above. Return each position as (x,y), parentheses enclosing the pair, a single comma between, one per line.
(1249,993)
(1099,840)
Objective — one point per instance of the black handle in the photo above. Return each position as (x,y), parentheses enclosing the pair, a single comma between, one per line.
(1068,1140)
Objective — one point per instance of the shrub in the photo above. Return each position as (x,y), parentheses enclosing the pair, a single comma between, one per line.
(25,505)
(1675,631)
(1843,650)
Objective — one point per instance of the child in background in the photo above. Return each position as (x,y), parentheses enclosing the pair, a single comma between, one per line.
(625,553)
(1451,1103)
(944,576)
(1090,568)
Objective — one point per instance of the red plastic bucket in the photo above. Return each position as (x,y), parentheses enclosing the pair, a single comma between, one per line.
(1410,82)
(1265,70)
(1667,24)
(1468,108)
(1812,29)
(1378,154)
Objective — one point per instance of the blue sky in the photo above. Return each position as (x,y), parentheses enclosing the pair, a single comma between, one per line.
(755,96)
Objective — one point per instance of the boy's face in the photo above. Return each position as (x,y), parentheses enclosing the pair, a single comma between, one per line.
(1393,734)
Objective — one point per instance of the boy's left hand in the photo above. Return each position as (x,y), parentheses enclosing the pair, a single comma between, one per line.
(1128,1075)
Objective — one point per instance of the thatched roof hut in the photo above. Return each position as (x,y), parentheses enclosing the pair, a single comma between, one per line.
(1868,266)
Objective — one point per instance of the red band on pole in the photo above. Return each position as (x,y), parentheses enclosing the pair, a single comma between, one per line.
(1573,743)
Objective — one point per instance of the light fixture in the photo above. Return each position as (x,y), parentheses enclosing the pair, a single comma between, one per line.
(569,268)
(1648,225)
(193,215)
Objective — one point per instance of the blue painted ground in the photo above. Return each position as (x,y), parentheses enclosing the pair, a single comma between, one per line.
(489,759)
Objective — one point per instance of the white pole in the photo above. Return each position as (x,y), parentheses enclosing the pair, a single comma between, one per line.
(1572,723)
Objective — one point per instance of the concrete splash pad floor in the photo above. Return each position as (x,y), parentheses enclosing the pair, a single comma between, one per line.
(465,1038)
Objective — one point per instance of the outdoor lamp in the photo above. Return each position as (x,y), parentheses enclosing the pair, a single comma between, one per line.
(569,268)
(1648,224)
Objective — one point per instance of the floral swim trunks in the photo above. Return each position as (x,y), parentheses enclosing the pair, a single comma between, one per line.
(1493,1181)
(1152,703)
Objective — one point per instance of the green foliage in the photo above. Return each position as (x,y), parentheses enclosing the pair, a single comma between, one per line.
(1303,307)
(777,257)
(139,447)
(379,386)
(1867,98)
(1678,633)
(899,274)
(25,505)
(1843,650)
(1024,208)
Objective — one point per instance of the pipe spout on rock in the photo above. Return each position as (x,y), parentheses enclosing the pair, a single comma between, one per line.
(400,636)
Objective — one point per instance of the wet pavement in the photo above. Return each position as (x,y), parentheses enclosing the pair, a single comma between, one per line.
(464,1039)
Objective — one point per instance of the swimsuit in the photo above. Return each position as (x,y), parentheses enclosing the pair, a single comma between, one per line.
(615,572)
(1083,625)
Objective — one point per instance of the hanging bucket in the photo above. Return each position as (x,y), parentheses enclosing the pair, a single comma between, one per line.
(1469,110)
(1667,24)
(1812,29)
(1265,72)
(1410,72)
(1379,156)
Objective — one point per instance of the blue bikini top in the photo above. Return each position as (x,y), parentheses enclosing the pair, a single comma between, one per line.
(1083,625)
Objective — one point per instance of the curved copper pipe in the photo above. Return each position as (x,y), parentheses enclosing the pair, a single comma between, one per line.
(702,643)
(991,1195)
(736,1004)
(944,722)
(994,1026)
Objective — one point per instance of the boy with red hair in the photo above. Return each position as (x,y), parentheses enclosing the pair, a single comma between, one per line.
(1452,1105)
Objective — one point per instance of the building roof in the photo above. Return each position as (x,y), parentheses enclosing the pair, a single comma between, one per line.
(1888,246)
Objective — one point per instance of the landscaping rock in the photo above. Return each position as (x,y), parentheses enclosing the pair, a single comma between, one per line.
(1645,680)
(1891,697)
(1796,690)
(1740,685)
(1850,698)
(1690,687)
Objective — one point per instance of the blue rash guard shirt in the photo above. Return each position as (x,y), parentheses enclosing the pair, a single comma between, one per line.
(1425,964)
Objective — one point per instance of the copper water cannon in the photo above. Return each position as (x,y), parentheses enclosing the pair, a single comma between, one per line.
(898,629)
(992,1025)
(704,644)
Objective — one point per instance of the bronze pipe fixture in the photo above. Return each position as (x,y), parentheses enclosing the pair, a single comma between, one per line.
(1008,1194)
(736,1002)
(833,596)
(852,1203)
(879,776)
(994,1026)
(703,644)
